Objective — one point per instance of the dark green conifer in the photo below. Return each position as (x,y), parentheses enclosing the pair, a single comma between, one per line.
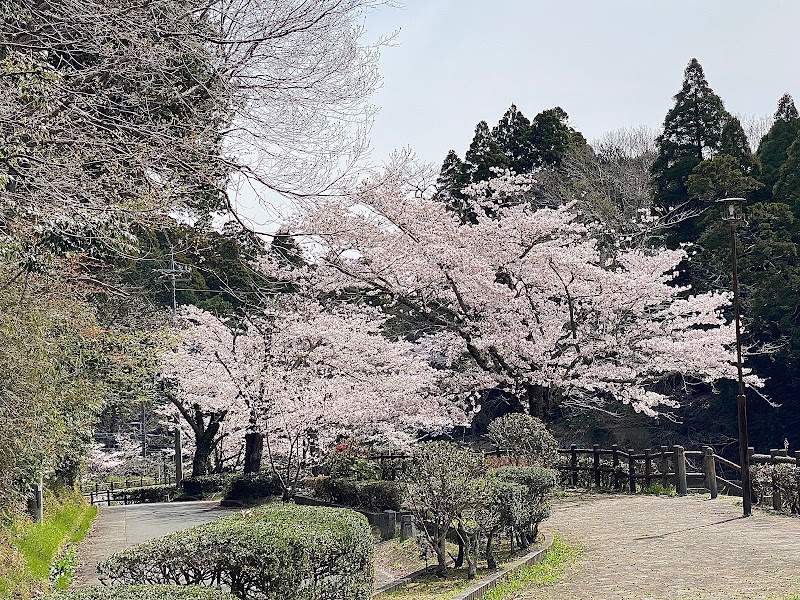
(787,188)
(551,137)
(484,155)
(512,134)
(692,132)
(773,151)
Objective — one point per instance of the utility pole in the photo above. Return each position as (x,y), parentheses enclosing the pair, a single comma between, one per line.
(174,273)
(733,215)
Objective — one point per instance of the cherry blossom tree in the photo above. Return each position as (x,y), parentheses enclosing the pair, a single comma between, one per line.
(300,373)
(525,294)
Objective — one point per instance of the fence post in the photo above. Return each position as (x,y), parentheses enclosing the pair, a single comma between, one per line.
(615,463)
(776,492)
(631,471)
(573,461)
(680,470)
(648,467)
(663,467)
(710,468)
(596,464)
(108,497)
(178,456)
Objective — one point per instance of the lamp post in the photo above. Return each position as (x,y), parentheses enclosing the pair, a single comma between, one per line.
(733,215)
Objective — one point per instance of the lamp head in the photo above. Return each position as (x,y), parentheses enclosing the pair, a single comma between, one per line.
(734,208)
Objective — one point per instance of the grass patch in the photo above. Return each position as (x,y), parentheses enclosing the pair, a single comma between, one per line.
(657,489)
(547,572)
(431,587)
(43,555)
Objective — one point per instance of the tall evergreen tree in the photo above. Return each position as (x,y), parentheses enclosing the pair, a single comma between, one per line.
(484,154)
(513,134)
(692,132)
(733,142)
(551,137)
(773,151)
(452,179)
(787,188)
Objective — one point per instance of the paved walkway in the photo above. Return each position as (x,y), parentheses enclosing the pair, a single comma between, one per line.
(118,527)
(650,547)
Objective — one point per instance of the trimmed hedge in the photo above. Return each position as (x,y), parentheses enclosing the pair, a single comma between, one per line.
(205,485)
(375,496)
(252,486)
(143,592)
(273,551)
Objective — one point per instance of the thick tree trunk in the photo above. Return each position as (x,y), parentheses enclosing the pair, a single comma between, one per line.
(542,402)
(253,451)
(204,440)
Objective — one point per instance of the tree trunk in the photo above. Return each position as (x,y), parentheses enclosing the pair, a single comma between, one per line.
(253,450)
(459,562)
(441,556)
(491,562)
(204,440)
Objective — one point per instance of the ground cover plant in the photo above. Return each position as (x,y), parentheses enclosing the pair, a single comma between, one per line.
(143,592)
(273,551)
(41,556)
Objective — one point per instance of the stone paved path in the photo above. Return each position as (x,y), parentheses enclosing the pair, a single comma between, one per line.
(118,527)
(650,547)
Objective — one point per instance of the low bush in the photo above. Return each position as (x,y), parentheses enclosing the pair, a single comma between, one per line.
(254,486)
(350,461)
(143,592)
(370,495)
(156,493)
(203,486)
(783,478)
(273,551)
(538,483)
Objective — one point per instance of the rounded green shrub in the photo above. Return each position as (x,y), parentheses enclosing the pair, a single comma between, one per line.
(202,486)
(274,551)
(143,592)
(374,495)
(243,488)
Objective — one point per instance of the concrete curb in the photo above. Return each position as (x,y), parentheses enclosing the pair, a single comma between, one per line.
(477,590)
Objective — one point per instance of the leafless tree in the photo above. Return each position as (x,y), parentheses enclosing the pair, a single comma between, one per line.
(610,181)
(117,111)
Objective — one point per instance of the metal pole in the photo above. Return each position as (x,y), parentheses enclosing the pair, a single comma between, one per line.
(741,399)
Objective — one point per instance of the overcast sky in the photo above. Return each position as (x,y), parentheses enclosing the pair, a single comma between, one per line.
(608,63)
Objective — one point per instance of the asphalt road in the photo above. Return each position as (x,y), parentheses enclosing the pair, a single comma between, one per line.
(118,527)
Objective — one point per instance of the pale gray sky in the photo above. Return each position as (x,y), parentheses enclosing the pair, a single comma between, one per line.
(608,63)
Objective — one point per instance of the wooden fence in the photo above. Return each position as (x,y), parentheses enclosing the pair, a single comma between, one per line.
(133,490)
(617,469)
(686,470)
(130,482)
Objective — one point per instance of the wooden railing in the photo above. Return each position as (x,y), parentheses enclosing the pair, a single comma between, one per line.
(129,482)
(618,469)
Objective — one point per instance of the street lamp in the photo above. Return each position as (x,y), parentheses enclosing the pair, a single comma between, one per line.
(733,215)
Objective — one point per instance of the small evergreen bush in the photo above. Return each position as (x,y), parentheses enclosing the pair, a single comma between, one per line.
(253,486)
(203,486)
(274,551)
(373,495)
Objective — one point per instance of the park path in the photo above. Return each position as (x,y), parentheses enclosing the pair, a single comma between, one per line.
(118,527)
(690,548)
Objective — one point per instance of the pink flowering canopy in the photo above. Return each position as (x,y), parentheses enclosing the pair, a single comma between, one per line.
(300,366)
(526,295)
